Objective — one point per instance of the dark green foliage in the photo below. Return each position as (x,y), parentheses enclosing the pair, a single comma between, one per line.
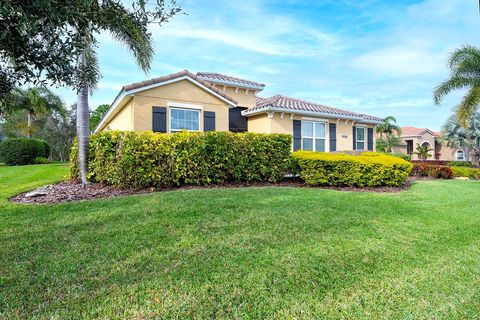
(432,171)
(140,160)
(460,164)
(402,156)
(21,151)
(368,169)
(97,115)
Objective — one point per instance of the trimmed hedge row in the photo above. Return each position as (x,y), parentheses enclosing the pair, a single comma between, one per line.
(460,164)
(22,151)
(140,160)
(432,171)
(472,173)
(432,162)
(367,169)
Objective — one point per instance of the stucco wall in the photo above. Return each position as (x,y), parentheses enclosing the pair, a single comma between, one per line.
(276,124)
(182,92)
(243,98)
(123,120)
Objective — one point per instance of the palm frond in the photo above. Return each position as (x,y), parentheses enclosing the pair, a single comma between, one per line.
(465,55)
(452,84)
(468,106)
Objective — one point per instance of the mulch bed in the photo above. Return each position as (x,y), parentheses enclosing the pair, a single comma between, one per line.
(68,191)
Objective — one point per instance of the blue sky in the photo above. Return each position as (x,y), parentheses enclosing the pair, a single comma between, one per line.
(377,57)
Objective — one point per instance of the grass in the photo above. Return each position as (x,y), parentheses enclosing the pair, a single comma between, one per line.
(241,253)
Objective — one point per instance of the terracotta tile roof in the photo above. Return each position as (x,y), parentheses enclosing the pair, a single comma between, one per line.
(293,104)
(414,131)
(138,85)
(224,79)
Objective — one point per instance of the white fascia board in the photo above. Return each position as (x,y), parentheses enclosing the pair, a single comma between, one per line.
(232,84)
(246,113)
(124,94)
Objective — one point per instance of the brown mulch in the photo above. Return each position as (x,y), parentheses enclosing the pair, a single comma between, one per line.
(68,191)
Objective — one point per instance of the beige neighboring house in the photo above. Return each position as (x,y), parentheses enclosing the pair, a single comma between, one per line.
(423,136)
(212,101)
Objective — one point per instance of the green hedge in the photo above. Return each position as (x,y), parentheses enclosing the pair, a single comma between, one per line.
(22,151)
(472,173)
(460,164)
(367,169)
(139,160)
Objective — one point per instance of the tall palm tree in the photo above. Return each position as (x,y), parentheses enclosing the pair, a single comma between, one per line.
(389,126)
(35,101)
(127,27)
(457,136)
(464,64)
(387,143)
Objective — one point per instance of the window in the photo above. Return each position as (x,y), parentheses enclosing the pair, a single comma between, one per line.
(460,155)
(184,119)
(360,131)
(313,135)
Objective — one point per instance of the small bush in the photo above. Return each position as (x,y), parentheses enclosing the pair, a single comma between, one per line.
(460,164)
(147,159)
(366,169)
(22,151)
(403,156)
(41,160)
(432,171)
(472,173)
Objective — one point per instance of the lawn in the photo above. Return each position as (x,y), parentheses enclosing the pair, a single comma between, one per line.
(241,253)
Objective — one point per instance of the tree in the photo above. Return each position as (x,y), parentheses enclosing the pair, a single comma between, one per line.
(388,142)
(457,136)
(34,102)
(389,126)
(41,40)
(464,64)
(97,115)
(423,152)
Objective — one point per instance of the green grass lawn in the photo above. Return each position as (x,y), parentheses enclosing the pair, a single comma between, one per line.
(241,253)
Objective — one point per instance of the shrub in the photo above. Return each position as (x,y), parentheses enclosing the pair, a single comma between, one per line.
(460,164)
(21,151)
(41,160)
(432,171)
(402,156)
(366,169)
(472,173)
(139,160)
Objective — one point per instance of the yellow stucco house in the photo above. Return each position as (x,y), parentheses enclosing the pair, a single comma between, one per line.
(212,101)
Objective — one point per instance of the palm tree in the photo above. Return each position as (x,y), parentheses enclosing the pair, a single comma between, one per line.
(389,126)
(130,29)
(35,101)
(464,64)
(457,136)
(387,143)
(423,152)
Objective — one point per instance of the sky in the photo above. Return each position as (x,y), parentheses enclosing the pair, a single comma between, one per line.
(376,57)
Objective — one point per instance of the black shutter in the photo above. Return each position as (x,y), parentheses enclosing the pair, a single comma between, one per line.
(370,139)
(208,121)
(297,135)
(159,119)
(333,136)
(237,122)
(354,138)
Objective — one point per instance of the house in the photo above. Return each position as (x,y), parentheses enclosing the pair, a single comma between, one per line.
(411,136)
(212,101)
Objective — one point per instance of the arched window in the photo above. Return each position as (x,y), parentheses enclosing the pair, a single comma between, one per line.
(460,155)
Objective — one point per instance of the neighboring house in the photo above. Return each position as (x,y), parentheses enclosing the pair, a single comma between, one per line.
(212,101)
(425,137)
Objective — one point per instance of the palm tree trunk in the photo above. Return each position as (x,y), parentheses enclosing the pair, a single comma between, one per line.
(83,131)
